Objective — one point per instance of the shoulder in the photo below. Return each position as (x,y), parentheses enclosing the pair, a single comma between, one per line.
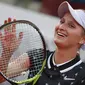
(80,79)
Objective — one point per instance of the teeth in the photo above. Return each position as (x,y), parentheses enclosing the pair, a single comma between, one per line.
(61,34)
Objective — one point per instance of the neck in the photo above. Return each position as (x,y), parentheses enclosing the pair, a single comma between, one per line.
(63,55)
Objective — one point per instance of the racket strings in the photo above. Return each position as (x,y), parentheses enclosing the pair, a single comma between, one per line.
(12,72)
(4,64)
(32,45)
(36,61)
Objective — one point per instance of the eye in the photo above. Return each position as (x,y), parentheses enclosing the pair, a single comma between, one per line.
(62,21)
(71,25)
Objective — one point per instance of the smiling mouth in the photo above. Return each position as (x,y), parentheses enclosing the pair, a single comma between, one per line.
(61,34)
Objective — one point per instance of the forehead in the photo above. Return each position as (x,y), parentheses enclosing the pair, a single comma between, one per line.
(69,18)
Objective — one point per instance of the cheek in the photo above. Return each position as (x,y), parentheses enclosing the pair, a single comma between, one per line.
(55,30)
(75,37)
(57,27)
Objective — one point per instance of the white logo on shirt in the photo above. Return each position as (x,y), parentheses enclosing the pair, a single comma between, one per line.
(66,78)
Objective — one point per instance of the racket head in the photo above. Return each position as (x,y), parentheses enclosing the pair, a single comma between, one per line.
(32,44)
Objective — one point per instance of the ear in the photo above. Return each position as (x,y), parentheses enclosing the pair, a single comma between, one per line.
(82,41)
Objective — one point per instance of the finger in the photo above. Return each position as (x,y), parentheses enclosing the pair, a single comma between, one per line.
(14,26)
(6,28)
(14,19)
(5,21)
(0,36)
(9,27)
(9,19)
(5,31)
(20,37)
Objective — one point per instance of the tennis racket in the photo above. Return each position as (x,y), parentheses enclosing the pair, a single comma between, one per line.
(22,52)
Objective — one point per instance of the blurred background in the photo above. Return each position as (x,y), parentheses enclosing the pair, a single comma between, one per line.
(44,6)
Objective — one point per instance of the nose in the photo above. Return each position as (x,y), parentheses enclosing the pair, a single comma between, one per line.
(62,27)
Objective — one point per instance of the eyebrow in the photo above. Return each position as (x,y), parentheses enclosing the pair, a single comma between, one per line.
(72,22)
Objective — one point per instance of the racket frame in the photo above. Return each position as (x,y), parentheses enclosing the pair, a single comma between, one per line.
(44,46)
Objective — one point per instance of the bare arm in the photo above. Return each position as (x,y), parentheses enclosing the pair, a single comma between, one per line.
(22,63)
(17,66)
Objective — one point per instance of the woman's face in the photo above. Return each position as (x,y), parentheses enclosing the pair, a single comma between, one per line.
(68,33)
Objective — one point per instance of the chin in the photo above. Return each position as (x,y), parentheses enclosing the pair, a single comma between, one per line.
(60,43)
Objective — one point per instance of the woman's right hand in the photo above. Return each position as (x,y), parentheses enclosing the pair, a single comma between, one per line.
(9,40)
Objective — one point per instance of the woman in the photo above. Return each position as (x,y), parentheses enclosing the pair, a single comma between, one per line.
(64,66)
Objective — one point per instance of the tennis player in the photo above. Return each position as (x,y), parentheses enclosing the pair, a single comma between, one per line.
(64,66)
